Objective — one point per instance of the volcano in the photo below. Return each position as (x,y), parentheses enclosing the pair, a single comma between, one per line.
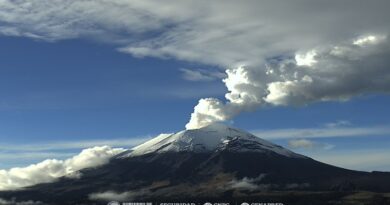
(214,163)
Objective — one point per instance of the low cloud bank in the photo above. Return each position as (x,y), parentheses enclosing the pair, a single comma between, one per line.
(51,169)
(247,183)
(117,196)
(254,184)
(15,202)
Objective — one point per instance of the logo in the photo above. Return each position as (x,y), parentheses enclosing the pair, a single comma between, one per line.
(244,203)
(113,203)
(208,203)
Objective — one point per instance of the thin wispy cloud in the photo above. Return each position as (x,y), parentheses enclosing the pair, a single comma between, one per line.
(201,74)
(15,156)
(339,123)
(20,155)
(75,144)
(193,92)
(308,144)
(358,159)
(322,132)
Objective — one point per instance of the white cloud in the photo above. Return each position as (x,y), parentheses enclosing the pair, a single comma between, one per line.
(253,184)
(19,156)
(298,143)
(218,32)
(247,183)
(308,144)
(338,123)
(243,184)
(230,34)
(243,96)
(115,196)
(12,155)
(366,40)
(225,33)
(201,74)
(57,19)
(307,59)
(14,202)
(51,169)
(207,111)
(77,144)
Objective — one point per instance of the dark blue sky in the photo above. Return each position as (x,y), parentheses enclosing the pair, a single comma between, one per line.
(76,89)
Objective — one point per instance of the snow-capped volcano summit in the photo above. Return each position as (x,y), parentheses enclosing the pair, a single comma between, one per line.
(215,137)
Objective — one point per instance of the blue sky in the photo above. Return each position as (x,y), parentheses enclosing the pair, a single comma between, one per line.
(83,85)
(120,74)
(75,90)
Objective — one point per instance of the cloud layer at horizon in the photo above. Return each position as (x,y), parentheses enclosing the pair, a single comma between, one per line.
(51,169)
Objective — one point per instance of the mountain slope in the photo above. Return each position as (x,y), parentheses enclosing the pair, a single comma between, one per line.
(214,163)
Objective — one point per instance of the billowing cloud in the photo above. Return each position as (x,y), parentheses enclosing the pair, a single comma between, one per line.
(326,73)
(51,169)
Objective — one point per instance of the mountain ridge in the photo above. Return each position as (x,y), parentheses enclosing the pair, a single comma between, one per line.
(207,139)
(232,165)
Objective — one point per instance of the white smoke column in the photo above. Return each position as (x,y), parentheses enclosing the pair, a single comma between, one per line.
(351,68)
(243,95)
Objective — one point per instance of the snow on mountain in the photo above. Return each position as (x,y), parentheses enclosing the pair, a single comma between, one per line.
(208,139)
